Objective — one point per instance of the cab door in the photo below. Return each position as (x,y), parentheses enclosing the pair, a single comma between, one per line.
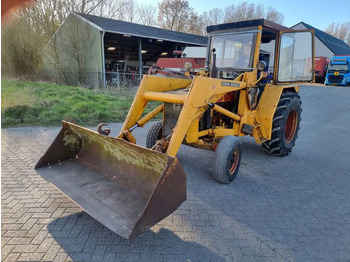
(296,56)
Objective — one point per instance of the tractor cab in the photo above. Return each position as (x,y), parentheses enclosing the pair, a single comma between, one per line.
(235,48)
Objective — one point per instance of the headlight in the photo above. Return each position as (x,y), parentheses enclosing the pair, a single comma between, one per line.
(188,66)
(261,65)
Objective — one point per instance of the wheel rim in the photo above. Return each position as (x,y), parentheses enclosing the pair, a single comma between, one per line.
(234,161)
(291,125)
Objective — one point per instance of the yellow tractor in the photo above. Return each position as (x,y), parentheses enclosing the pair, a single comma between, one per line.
(249,87)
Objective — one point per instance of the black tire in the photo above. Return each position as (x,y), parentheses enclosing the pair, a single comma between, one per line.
(154,134)
(285,126)
(227,159)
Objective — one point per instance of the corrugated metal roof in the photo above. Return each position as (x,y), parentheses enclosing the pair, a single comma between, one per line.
(337,46)
(122,27)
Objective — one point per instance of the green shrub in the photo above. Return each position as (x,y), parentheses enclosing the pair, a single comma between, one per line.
(20,112)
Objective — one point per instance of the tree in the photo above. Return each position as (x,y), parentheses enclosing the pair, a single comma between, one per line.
(195,24)
(131,12)
(28,30)
(53,58)
(174,14)
(147,15)
(240,12)
(245,11)
(80,6)
(216,16)
(177,15)
(25,34)
(213,17)
(341,31)
(111,9)
(274,16)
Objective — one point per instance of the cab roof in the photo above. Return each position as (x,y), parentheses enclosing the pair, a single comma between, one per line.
(266,24)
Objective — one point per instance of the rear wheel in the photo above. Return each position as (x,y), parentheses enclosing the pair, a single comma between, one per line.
(154,134)
(285,125)
(227,159)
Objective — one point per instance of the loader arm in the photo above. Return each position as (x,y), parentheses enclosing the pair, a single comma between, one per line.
(204,90)
(150,84)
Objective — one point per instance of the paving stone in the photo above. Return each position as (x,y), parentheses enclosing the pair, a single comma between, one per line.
(31,257)
(11,257)
(294,208)
(51,253)
(6,250)
(62,257)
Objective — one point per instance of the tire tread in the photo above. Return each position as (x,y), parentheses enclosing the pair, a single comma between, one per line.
(276,146)
(153,133)
(222,152)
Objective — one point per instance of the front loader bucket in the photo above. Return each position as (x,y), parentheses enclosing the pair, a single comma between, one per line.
(126,187)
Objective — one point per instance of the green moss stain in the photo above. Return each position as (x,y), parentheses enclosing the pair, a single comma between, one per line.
(71,141)
(133,155)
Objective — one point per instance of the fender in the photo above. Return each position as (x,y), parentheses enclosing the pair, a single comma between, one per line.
(268,104)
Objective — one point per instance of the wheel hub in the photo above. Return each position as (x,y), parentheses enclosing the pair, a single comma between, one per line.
(234,161)
(291,126)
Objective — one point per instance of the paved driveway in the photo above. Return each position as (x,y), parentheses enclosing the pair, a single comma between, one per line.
(295,208)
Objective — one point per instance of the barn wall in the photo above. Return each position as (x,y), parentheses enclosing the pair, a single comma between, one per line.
(74,55)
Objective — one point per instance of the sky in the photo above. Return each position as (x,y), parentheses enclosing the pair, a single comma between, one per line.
(317,13)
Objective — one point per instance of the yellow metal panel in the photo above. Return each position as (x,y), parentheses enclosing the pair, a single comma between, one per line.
(212,89)
(259,132)
(253,119)
(221,132)
(257,47)
(268,104)
(193,133)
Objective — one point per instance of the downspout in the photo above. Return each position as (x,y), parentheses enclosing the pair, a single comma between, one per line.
(103,59)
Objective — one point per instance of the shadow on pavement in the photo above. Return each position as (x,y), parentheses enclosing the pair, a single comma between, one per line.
(85,239)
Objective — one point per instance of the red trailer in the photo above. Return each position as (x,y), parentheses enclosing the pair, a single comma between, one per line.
(191,61)
(177,64)
(321,64)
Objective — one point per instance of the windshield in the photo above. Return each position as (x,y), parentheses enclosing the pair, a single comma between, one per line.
(332,68)
(233,50)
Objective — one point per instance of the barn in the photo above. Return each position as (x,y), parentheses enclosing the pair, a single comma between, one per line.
(95,51)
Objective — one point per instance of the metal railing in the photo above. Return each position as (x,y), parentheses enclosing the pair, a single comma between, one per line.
(126,79)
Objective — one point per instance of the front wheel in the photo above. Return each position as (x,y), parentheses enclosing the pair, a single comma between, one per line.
(227,159)
(285,125)
(154,134)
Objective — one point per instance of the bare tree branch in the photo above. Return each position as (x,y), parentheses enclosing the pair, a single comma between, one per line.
(147,15)
(341,31)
